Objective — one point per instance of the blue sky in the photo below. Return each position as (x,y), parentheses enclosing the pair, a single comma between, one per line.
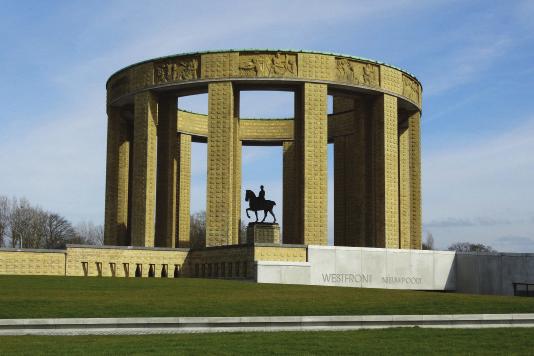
(475,60)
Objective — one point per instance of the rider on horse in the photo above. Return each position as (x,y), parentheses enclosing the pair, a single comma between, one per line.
(261,194)
(259,203)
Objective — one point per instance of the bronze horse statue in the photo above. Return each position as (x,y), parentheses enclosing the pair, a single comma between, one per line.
(255,204)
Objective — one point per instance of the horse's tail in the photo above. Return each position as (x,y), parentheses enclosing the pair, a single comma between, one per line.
(270,202)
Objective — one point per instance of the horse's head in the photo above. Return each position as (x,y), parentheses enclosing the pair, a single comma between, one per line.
(249,195)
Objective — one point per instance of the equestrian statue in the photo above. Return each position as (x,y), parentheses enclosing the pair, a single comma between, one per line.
(259,203)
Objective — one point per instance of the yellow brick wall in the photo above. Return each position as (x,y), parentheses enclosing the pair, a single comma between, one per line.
(119,138)
(183,191)
(386,172)
(290,194)
(235,261)
(191,123)
(220,65)
(312,153)
(267,129)
(32,263)
(391,80)
(414,122)
(167,173)
(363,207)
(257,64)
(280,253)
(315,66)
(144,169)
(404,186)
(131,257)
(259,233)
(224,150)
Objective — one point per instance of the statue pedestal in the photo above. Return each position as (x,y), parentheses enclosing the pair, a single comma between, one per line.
(263,233)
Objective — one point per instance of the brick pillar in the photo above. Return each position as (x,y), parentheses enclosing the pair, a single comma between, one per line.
(183,191)
(414,122)
(166,173)
(404,184)
(117,171)
(385,172)
(144,169)
(236,179)
(362,207)
(289,234)
(222,218)
(343,174)
(311,127)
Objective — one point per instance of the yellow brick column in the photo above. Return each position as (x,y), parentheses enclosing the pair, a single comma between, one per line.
(343,109)
(166,172)
(223,139)
(144,169)
(311,140)
(414,122)
(362,207)
(385,171)
(117,172)
(236,218)
(236,179)
(183,191)
(289,233)
(404,185)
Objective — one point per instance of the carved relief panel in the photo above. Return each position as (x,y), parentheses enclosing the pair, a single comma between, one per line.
(268,65)
(357,72)
(176,69)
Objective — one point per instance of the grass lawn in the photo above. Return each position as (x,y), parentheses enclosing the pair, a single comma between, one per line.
(47,297)
(389,341)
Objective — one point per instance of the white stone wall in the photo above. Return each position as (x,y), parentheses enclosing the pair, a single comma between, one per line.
(403,269)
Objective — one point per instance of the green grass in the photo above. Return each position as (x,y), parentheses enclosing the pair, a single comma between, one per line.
(390,341)
(46,297)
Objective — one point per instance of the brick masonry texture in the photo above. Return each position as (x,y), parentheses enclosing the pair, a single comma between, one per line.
(375,129)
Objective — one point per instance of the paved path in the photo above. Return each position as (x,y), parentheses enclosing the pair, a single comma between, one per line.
(136,326)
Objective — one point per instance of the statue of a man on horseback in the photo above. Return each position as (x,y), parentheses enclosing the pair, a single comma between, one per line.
(259,203)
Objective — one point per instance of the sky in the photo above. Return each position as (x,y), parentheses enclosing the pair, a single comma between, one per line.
(475,60)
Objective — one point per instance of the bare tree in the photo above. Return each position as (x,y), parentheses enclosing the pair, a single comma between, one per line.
(5,212)
(429,242)
(198,229)
(58,231)
(28,225)
(87,233)
(469,247)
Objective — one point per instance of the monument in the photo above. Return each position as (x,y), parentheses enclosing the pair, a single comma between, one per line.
(374,127)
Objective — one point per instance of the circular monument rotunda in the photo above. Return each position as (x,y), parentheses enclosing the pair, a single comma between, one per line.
(374,127)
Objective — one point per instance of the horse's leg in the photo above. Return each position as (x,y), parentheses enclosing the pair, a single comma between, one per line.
(246,210)
(256,212)
(271,211)
(264,215)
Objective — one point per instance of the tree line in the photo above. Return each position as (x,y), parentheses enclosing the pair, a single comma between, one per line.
(23,225)
(428,244)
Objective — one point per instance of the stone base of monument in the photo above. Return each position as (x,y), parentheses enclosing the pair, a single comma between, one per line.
(263,233)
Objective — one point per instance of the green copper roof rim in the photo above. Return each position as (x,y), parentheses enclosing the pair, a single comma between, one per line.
(264,50)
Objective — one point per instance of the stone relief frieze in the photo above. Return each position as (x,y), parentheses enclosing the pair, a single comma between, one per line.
(410,89)
(357,72)
(175,70)
(268,65)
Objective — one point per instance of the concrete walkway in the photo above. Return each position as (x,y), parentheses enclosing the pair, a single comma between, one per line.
(138,326)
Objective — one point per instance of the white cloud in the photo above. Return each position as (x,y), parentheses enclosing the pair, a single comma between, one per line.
(489,178)
(465,64)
